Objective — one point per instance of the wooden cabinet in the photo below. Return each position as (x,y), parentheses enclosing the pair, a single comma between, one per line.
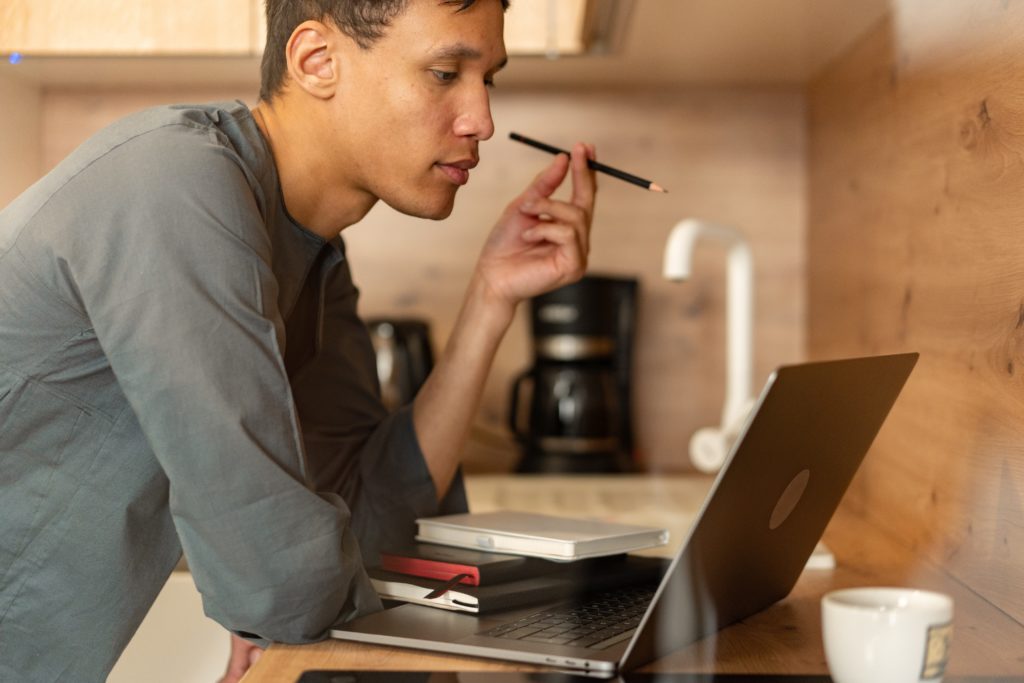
(129,27)
(259,26)
(179,28)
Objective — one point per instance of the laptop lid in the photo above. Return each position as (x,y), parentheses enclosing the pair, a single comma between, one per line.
(783,480)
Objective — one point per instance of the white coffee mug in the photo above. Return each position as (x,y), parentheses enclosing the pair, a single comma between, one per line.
(886,635)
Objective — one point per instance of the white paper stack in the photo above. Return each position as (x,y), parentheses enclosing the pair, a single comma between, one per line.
(562,539)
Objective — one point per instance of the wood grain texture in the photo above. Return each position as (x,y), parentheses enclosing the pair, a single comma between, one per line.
(729,156)
(916,205)
(20,143)
(126,27)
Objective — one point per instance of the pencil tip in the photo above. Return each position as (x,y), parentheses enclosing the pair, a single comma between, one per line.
(655,187)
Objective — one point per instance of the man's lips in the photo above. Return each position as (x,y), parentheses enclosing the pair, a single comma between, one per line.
(458,171)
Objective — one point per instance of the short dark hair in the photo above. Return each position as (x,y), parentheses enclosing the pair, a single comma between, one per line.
(364,21)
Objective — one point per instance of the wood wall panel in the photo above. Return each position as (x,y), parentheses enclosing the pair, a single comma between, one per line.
(732,156)
(915,242)
(20,146)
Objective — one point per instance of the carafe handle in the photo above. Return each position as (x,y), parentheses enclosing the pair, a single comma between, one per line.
(513,412)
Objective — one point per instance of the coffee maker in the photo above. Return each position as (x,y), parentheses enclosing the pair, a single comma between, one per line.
(572,410)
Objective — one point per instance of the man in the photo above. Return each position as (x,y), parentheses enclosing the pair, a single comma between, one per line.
(181,363)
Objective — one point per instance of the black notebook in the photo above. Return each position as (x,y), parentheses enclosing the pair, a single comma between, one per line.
(565,581)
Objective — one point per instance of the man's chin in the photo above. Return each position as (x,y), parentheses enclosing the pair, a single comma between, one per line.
(432,210)
(442,213)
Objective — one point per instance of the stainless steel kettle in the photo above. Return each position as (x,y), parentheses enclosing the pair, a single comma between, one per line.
(405,357)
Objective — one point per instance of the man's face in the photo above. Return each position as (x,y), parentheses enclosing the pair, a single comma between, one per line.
(412,109)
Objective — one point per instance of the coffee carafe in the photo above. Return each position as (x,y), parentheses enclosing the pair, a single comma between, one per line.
(571,411)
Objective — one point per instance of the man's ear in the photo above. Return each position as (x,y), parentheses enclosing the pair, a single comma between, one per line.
(312,60)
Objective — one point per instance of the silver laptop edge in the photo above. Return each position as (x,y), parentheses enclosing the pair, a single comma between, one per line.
(713,594)
(575,664)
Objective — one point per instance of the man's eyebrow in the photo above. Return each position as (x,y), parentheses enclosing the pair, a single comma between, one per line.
(463,51)
(456,51)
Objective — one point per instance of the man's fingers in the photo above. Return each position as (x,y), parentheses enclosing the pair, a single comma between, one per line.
(584,180)
(570,215)
(243,655)
(574,256)
(548,180)
(559,211)
(555,233)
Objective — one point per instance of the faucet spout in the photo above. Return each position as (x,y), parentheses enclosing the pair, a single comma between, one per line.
(678,265)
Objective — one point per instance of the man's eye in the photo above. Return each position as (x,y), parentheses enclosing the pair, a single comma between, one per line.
(444,76)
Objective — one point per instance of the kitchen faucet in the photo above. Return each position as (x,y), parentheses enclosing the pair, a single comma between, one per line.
(710,446)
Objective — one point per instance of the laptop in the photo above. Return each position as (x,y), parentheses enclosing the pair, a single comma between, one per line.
(784,477)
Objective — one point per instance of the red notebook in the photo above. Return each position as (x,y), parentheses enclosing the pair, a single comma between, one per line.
(443,563)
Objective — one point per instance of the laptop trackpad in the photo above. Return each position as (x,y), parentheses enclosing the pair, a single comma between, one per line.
(417,621)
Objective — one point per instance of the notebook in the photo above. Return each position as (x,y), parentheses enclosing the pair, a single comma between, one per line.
(562,581)
(476,567)
(562,539)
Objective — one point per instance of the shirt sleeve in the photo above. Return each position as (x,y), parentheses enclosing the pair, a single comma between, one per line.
(354,447)
(172,266)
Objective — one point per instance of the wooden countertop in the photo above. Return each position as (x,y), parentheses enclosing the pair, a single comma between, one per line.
(785,638)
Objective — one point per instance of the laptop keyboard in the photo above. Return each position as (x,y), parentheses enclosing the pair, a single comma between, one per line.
(597,623)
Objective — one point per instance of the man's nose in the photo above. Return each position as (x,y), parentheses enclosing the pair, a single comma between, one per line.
(475,120)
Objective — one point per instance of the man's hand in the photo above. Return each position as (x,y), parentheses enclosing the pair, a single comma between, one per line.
(537,245)
(540,243)
(243,655)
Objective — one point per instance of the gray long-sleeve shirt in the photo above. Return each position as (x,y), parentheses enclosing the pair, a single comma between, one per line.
(165,328)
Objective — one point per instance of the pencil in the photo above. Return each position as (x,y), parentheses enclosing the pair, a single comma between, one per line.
(621,175)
